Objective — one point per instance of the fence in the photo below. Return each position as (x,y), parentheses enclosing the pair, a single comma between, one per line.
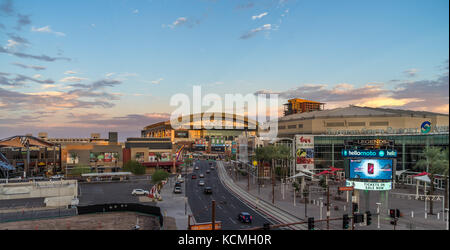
(121,207)
(35,214)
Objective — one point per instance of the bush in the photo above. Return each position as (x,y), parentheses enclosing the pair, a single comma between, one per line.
(134,167)
(159,175)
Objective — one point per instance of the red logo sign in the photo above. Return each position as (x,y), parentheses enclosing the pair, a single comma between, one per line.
(304,140)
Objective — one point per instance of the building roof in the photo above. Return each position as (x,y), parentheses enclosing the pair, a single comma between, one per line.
(302,100)
(357,111)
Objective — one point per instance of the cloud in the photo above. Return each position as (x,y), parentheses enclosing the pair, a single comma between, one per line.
(37,68)
(98,84)
(424,95)
(180,21)
(259,16)
(7,7)
(253,32)
(22,20)
(72,79)
(47,29)
(411,72)
(157,81)
(21,80)
(11,44)
(18,39)
(41,57)
(136,11)
(70,72)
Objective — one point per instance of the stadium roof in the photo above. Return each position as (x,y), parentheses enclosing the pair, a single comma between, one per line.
(355,111)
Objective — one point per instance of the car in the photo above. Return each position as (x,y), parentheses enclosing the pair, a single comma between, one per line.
(177,190)
(139,192)
(194,176)
(177,184)
(202,176)
(212,168)
(245,217)
(207,190)
(201,183)
(197,168)
(208,171)
(181,180)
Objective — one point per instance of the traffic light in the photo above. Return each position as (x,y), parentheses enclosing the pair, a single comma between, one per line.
(359,218)
(392,213)
(311,223)
(355,207)
(368,218)
(345,221)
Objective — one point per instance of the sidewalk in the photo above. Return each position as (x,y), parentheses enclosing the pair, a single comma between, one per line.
(174,207)
(407,207)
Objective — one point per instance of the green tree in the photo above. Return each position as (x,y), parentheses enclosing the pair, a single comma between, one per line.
(158,158)
(78,170)
(134,167)
(158,176)
(116,157)
(433,162)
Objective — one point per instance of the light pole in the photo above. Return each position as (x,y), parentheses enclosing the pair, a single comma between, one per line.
(378,213)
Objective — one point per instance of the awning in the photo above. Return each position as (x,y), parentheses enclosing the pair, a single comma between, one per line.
(424,178)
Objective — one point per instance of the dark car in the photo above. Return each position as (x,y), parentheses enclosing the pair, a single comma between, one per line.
(208,190)
(202,176)
(207,171)
(194,176)
(245,217)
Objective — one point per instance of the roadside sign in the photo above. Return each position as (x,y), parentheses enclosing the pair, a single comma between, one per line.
(345,188)
(207,226)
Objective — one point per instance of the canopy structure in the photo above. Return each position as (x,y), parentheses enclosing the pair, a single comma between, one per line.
(325,172)
(298,175)
(400,172)
(20,141)
(424,178)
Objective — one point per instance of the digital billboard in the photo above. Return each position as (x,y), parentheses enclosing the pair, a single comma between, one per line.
(370,186)
(371,169)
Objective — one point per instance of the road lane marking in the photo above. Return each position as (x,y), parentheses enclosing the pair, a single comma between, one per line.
(232,220)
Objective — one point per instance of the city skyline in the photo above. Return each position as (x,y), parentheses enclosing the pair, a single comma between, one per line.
(72,68)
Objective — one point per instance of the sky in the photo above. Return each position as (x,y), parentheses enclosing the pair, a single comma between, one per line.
(71,68)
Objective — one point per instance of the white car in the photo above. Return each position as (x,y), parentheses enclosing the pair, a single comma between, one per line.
(140,192)
(201,183)
(197,168)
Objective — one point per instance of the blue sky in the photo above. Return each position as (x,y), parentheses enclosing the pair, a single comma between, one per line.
(154,49)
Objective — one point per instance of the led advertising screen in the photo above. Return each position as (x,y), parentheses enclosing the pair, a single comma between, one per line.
(372,169)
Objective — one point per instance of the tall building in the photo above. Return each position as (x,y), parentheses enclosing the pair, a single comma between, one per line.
(295,106)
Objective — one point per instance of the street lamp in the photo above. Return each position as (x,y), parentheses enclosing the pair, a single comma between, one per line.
(378,213)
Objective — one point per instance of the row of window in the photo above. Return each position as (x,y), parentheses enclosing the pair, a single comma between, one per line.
(339,124)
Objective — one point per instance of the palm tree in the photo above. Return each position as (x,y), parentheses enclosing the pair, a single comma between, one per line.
(116,157)
(433,162)
(73,156)
(158,158)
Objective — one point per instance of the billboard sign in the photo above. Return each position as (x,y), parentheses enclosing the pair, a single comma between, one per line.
(371,169)
(304,152)
(369,186)
(354,153)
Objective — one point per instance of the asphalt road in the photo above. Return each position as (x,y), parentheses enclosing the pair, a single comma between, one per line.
(114,192)
(227,206)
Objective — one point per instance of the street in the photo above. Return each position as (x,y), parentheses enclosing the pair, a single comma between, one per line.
(227,206)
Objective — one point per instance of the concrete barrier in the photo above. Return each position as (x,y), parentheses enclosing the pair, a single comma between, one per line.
(45,189)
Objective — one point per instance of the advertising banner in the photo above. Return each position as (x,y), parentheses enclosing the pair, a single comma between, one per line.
(371,169)
(304,152)
(376,153)
(369,186)
(108,157)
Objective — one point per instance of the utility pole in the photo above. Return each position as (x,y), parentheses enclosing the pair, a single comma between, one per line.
(273,185)
(306,203)
(328,207)
(213,215)
(248,178)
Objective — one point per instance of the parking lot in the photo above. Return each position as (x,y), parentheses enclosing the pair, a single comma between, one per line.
(111,192)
